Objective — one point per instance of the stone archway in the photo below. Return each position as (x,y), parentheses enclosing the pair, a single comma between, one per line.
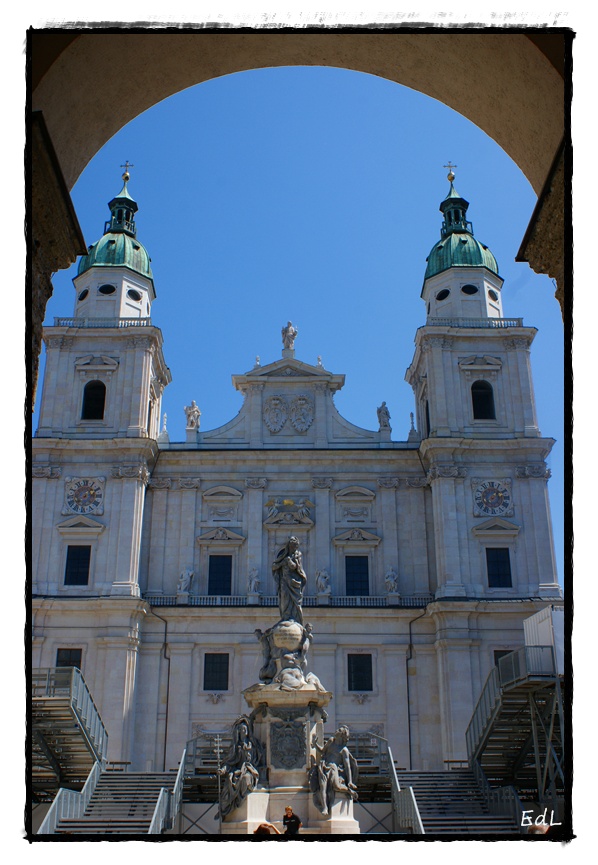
(87,86)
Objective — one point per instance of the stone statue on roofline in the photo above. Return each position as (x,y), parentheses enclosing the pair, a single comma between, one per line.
(289,334)
(193,414)
(383,416)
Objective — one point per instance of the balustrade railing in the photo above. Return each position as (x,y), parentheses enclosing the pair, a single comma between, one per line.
(101,322)
(191,600)
(475,322)
(68,682)
(70,804)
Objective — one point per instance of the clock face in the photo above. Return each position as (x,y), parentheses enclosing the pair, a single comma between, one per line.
(492,498)
(84,495)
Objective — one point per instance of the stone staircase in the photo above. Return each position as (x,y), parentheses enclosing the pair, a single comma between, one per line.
(123,803)
(450,803)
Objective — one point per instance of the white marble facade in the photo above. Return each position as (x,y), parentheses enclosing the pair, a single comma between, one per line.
(420,515)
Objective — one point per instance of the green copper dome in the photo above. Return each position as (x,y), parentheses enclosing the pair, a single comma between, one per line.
(457,246)
(119,247)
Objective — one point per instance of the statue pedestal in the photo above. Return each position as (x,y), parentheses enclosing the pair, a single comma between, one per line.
(285,721)
(253,598)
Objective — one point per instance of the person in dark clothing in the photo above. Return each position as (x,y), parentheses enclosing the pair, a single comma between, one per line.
(291,822)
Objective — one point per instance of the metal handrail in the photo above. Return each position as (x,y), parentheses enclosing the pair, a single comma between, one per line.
(527,662)
(63,681)
(177,791)
(70,804)
(160,818)
(484,711)
(405,813)
(499,800)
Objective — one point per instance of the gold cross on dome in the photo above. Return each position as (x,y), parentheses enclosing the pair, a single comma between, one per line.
(450,166)
(126,166)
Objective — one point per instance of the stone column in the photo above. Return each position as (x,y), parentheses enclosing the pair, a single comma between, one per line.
(128,522)
(178,701)
(255,529)
(387,509)
(443,480)
(321,554)
(159,488)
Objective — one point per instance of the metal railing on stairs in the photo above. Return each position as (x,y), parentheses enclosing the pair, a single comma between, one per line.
(68,682)
(70,804)
(406,818)
(516,730)
(519,666)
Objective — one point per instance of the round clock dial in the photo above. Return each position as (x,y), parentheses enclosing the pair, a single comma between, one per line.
(84,495)
(492,498)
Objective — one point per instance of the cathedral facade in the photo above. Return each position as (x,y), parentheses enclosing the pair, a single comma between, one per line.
(152,560)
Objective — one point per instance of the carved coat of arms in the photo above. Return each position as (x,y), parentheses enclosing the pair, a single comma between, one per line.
(275,413)
(302,413)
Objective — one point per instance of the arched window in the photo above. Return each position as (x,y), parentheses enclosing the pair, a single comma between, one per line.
(94,399)
(482,397)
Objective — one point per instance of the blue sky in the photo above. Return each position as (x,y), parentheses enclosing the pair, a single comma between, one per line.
(312,194)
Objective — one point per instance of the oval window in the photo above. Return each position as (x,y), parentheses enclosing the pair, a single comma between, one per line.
(107,289)
(442,295)
(492,294)
(133,294)
(83,294)
(469,289)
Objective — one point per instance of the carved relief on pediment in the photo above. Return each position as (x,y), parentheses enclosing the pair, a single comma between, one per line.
(288,512)
(275,413)
(302,413)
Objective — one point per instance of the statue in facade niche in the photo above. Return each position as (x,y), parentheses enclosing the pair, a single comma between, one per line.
(383,416)
(290,580)
(289,334)
(391,581)
(333,771)
(323,582)
(240,772)
(185,579)
(253,581)
(192,414)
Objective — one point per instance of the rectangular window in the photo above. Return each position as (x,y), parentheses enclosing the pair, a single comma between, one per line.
(220,571)
(215,672)
(77,566)
(498,562)
(360,673)
(357,575)
(69,657)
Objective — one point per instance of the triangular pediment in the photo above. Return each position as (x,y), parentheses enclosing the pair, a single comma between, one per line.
(480,362)
(497,526)
(357,537)
(92,361)
(80,527)
(220,535)
(291,370)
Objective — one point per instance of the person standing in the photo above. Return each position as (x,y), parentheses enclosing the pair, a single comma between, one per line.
(291,822)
